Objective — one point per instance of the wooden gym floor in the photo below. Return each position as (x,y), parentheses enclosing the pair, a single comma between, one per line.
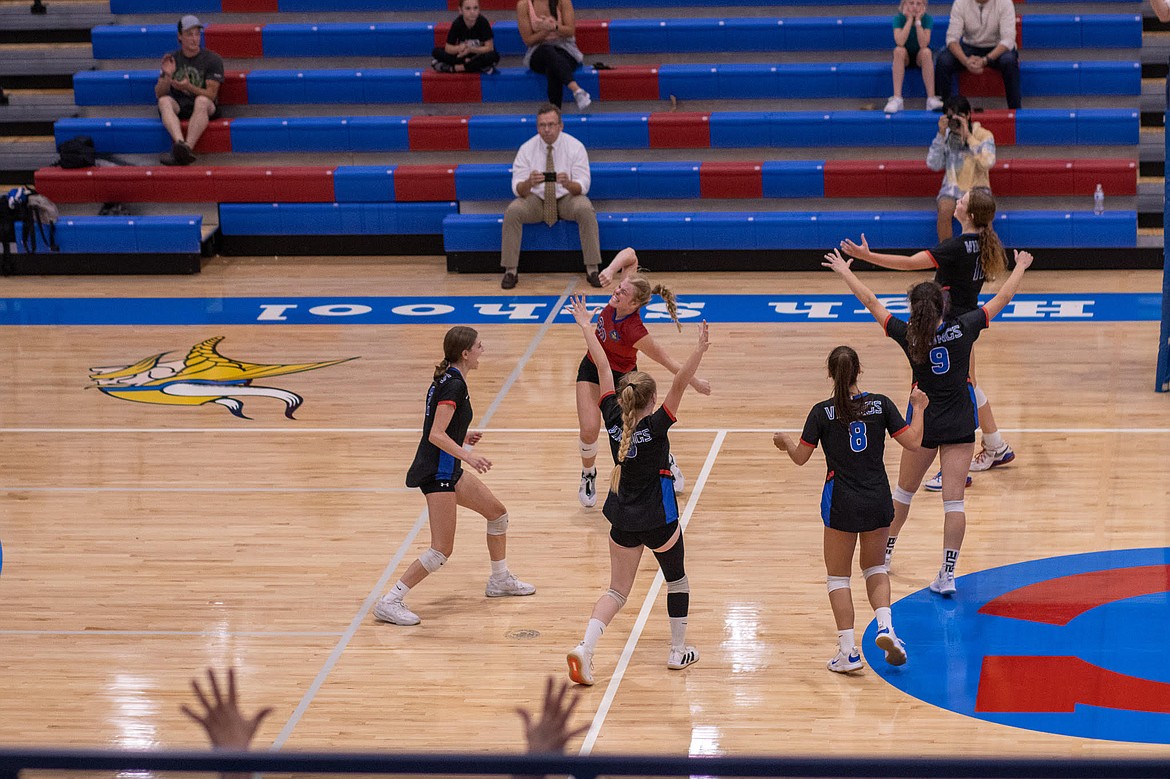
(144,543)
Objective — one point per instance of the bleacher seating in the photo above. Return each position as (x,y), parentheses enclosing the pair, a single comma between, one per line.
(685,82)
(602,36)
(696,130)
(610,181)
(325,199)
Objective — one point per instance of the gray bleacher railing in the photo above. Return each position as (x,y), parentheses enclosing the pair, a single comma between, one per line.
(13,761)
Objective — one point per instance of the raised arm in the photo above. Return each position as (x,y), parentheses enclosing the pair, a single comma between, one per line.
(652,349)
(1010,287)
(626,259)
(839,265)
(584,318)
(687,372)
(916,261)
(911,438)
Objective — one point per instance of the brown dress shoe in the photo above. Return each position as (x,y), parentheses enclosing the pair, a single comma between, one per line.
(509,280)
(594,279)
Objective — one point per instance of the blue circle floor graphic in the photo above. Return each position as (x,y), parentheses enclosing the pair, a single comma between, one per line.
(1072,645)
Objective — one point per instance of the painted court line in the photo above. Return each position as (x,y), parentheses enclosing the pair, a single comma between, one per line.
(517,430)
(375,593)
(215,490)
(647,605)
(199,633)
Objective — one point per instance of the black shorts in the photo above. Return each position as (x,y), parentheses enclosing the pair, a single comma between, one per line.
(850,512)
(187,107)
(928,443)
(587,371)
(652,539)
(440,485)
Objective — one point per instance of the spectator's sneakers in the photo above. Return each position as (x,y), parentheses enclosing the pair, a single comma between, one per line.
(442,67)
(490,70)
(583,99)
(934,104)
(894,105)
(182,153)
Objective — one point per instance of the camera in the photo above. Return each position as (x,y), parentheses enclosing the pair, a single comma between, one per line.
(955,123)
(550,177)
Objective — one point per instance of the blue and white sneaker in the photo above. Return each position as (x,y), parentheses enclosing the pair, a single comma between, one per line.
(988,459)
(844,663)
(893,646)
(935,484)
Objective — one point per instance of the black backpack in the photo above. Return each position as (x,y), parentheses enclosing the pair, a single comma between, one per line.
(77,152)
(34,211)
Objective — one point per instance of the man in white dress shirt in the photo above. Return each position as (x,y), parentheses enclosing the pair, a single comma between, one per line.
(553,166)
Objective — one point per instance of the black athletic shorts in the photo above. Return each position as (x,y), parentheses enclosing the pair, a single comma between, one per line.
(651,539)
(928,443)
(187,107)
(440,485)
(587,371)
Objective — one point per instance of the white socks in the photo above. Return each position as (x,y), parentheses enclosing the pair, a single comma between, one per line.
(499,568)
(398,591)
(678,633)
(845,641)
(884,619)
(593,633)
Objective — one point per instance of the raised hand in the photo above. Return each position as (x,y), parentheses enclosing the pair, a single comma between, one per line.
(860,251)
(580,311)
(226,726)
(704,344)
(168,65)
(551,732)
(1023,259)
(836,263)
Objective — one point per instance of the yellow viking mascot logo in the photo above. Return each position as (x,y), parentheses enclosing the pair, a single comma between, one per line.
(203,376)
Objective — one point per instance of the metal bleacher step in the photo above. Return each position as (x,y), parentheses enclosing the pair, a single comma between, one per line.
(45,59)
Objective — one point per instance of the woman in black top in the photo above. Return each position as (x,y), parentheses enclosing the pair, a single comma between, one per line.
(962,264)
(855,502)
(470,47)
(437,470)
(641,505)
(938,345)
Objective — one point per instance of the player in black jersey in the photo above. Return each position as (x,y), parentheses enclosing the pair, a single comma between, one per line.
(963,263)
(938,345)
(437,470)
(855,502)
(641,505)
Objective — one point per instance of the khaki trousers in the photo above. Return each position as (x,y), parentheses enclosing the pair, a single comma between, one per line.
(529,210)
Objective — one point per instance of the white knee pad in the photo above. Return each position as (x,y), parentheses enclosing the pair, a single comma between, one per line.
(588,451)
(617,596)
(498,526)
(902,496)
(837,582)
(680,585)
(952,505)
(980,398)
(432,560)
(868,572)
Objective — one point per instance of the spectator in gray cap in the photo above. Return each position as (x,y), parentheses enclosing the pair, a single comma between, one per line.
(188,85)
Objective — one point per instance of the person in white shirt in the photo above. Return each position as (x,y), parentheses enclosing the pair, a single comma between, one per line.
(567,177)
(981,35)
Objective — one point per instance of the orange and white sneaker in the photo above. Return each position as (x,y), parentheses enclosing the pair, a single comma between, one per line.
(580,661)
(988,459)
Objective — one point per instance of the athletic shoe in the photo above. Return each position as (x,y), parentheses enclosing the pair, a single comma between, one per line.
(182,153)
(894,105)
(843,663)
(943,584)
(893,646)
(676,472)
(442,67)
(935,484)
(934,104)
(508,584)
(580,661)
(583,99)
(394,611)
(987,459)
(681,658)
(587,493)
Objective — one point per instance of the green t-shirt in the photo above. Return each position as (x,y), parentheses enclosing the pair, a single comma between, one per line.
(912,39)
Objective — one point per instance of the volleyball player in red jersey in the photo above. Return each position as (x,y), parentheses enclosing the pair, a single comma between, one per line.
(622,335)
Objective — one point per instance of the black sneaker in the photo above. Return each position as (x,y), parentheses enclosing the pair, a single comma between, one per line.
(182,153)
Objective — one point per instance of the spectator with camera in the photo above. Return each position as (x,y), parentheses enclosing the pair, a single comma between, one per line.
(965,152)
(550,178)
(981,35)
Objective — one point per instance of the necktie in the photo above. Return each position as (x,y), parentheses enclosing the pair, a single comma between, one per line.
(550,191)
